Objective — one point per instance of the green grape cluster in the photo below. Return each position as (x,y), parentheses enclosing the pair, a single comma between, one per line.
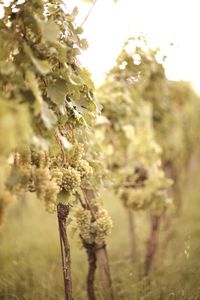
(47,188)
(57,175)
(152,192)
(25,155)
(39,158)
(38,172)
(51,193)
(71,179)
(35,176)
(94,231)
(42,179)
(103,226)
(83,167)
(80,164)
(136,198)
(77,154)
(85,225)
(25,174)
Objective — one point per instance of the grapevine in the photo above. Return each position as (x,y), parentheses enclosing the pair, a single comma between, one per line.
(47,103)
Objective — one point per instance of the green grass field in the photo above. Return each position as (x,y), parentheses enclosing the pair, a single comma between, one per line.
(30,265)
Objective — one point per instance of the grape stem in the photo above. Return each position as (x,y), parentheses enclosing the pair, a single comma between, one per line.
(62,149)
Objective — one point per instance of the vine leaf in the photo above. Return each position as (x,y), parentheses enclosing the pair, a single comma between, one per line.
(42,66)
(48,116)
(57,92)
(84,44)
(49,30)
(86,77)
(33,85)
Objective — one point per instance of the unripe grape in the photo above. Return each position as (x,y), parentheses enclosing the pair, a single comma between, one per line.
(78,151)
(84,219)
(84,169)
(39,158)
(71,180)
(50,198)
(103,226)
(57,175)
(25,155)
(25,176)
(50,207)
(94,231)
(42,180)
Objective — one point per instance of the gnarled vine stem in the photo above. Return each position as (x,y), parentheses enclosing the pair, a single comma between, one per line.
(62,213)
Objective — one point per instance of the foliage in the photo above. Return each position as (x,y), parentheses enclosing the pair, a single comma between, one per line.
(174,104)
(152,123)
(47,103)
(135,156)
(48,112)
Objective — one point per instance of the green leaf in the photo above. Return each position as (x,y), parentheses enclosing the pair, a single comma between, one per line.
(79,30)
(57,92)
(74,12)
(48,116)
(49,30)
(86,77)
(42,66)
(63,119)
(32,83)
(84,44)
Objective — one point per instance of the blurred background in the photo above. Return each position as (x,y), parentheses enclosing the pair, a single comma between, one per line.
(30,265)
(164,23)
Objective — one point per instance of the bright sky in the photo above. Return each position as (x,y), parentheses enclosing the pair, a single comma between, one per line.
(163,21)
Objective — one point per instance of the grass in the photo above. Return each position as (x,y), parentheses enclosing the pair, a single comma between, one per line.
(30,265)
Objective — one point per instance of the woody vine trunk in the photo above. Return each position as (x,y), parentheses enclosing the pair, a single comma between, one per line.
(152,243)
(62,213)
(104,271)
(132,235)
(90,249)
(101,258)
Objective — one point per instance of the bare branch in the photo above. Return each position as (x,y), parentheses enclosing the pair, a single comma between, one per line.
(88,14)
